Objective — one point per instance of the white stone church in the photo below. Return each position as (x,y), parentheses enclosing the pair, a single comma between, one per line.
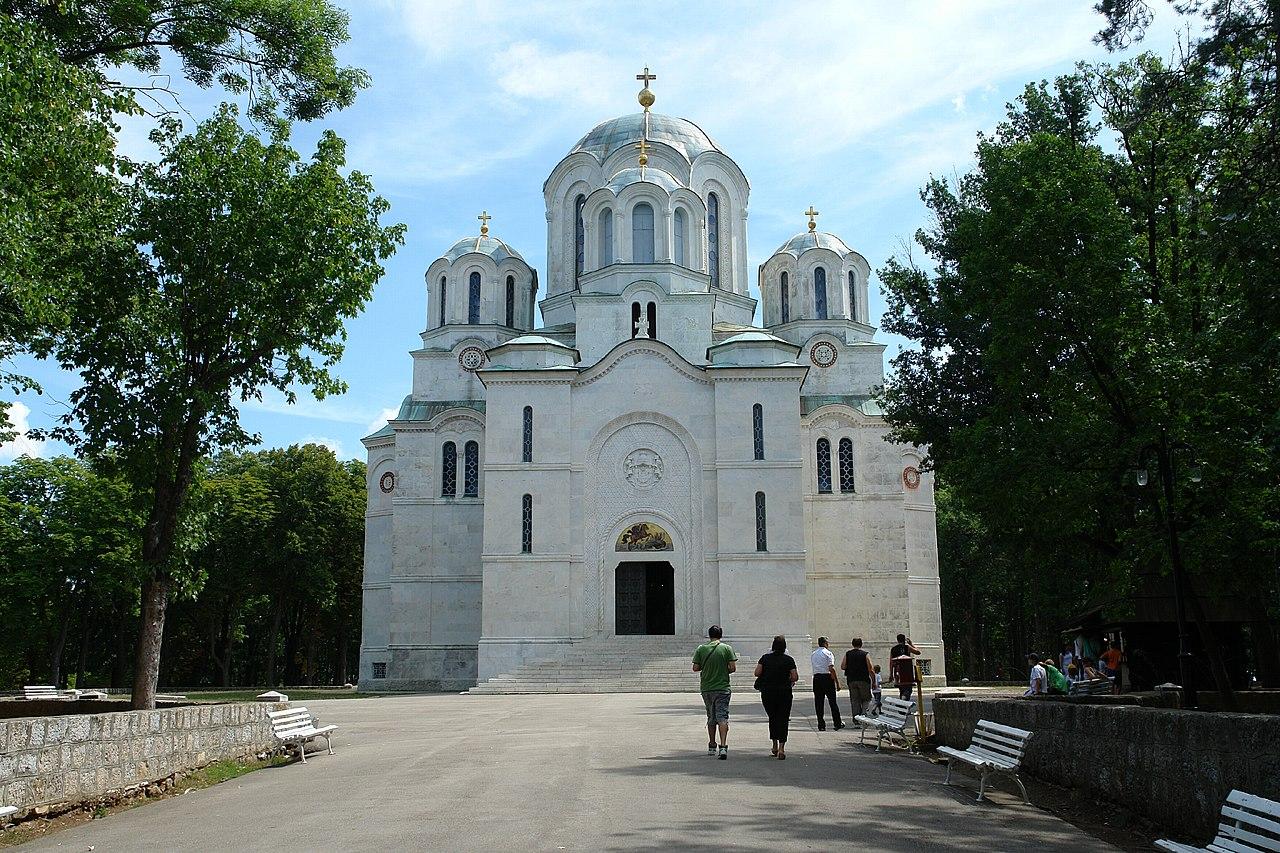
(649,461)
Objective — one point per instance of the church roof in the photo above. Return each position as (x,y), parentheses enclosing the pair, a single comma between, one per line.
(814,240)
(747,337)
(636,175)
(485,244)
(678,133)
(534,339)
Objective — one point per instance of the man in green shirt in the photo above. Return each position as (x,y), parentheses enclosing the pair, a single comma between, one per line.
(1058,683)
(713,661)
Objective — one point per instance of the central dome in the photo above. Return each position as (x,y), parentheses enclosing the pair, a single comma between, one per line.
(617,133)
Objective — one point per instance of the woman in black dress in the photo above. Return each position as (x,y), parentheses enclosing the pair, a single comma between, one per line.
(775,673)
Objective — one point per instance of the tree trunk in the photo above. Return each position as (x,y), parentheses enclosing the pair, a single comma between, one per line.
(121,655)
(341,675)
(1212,647)
(86,630)
(59,643)
(272,636)
(146,663)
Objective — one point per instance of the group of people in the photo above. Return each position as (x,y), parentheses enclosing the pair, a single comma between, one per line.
(1053,677)
(776,675)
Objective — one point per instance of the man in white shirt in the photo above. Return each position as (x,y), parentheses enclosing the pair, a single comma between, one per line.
(825,684)
(1039,683)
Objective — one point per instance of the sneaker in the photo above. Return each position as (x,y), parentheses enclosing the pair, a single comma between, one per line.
(822,727)
(711,748)
(839,726)
(724,753)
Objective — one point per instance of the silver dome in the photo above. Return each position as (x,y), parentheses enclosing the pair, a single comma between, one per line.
(814,240)
(616,133)
(485,245)
(649,175)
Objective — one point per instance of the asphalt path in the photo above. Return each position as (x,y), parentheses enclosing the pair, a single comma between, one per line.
(580,772)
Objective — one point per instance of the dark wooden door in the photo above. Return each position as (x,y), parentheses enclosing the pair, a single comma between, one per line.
(630,597)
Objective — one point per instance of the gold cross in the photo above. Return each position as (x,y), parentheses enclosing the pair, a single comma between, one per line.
(484,218)
(644,77)
(643,146)
(813,226)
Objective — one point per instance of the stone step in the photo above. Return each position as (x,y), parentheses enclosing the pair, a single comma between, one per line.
(642,665)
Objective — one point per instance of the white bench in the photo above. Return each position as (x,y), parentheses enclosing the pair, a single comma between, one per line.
(993,749)
(1248,823)
(6,811)
(1090,687)
(896,716)
(296,726)
(40,691)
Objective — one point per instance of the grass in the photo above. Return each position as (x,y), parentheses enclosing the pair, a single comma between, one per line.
(294,695)
(204,777)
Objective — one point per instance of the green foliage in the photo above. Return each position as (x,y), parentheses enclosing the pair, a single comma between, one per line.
(1085,312)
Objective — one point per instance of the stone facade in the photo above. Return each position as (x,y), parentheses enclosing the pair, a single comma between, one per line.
(52,761)
(499,493)
(1172,767)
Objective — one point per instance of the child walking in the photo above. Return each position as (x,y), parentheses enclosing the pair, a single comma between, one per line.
(875,688)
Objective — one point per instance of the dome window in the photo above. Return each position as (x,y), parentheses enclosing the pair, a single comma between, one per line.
(473,300)
(820,293)
(579,239)
(606,237)
(785,299)
(642,234)
(853,296)
(713,238)
(679,228)
(511,300)
(444,291)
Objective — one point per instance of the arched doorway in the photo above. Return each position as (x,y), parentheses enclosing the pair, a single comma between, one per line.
(644,598)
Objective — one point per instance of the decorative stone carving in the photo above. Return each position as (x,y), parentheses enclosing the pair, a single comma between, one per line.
(643,468)
(387,482)
(823,354)
(471,358)
(911,477)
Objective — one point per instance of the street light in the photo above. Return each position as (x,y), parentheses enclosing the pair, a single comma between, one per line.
(1162,452)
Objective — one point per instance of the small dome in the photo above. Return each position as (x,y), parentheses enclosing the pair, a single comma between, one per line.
(678,133)
(814,240)
(648,175)
(541,340)
(748,337)
(485,244)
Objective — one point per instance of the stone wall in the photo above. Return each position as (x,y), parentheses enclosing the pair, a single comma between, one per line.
(1173,767)
(47,763)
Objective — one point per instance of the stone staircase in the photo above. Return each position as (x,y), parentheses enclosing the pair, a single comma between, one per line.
(613,665)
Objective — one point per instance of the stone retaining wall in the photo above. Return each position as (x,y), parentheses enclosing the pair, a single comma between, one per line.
(47,763)
(1173,767)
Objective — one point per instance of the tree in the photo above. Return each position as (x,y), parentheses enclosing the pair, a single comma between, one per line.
(248,261)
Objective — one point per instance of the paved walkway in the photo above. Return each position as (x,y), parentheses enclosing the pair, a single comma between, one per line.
(613,772)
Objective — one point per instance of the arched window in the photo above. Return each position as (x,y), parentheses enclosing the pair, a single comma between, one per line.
(762,533)
(606,237)
(757,429)
(526,441)
(471,470)
(511,300)
(449,470)
(652,312)
(783,289)
(579,238)
(473,299)
(853,296)
(713,238)
(820,293)
(846,465)
(642,234)
(824,466)
(444,292)
(678,228)
(635,319)
(526,524)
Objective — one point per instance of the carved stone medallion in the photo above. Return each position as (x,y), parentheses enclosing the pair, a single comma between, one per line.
(643,468)
(911,477)
(823,354)
(471,358)
(387,482)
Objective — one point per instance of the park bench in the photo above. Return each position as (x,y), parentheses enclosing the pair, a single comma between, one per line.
(5,812)
(40,691)
(296,726)
(1090,687)
(1248,823)
(994,748)
(896,716)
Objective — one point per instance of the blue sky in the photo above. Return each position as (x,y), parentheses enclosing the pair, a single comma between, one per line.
(846,106)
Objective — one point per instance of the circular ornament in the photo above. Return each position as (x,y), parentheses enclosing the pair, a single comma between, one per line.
(823,354)
(643,468)
(471,358)
(387,482)
(911,477)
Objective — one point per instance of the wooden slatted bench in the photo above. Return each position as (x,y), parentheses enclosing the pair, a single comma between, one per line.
(40,691)
(1090,687)
(994,748)
(896,717)
(296,726)
(1249,823)
(6,812)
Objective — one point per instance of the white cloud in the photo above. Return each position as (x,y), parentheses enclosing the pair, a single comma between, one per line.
(18,415)
(958,102)
(381,421)
(324,441)
(335,409)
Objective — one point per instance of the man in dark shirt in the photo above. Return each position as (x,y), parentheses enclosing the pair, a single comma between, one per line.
(902,667)
(859,674)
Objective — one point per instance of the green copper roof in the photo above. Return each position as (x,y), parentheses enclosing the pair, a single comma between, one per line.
(425,410)
(864,403)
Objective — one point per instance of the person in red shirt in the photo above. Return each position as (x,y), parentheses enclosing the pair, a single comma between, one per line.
(1111,660)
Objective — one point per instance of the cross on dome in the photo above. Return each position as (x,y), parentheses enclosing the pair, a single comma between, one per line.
(643,147)
(484,218)
(646,97)
(811,213)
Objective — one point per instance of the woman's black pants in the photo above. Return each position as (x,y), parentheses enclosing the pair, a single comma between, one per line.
(777,704)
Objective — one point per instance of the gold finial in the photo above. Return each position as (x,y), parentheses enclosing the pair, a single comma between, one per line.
(813,226)
(484,218)
(643,146)
(645,97)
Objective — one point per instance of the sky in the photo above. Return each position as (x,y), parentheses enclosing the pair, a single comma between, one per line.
(850,107)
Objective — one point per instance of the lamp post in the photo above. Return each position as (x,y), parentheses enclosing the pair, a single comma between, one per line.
(1163,453)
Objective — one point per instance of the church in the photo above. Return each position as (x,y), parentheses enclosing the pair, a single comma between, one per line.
(649,461)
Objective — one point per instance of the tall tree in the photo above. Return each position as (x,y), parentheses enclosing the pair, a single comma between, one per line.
(248,262)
